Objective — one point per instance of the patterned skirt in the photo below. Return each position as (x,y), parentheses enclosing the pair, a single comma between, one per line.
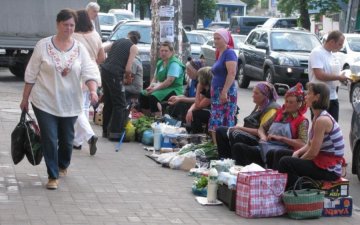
(223,114)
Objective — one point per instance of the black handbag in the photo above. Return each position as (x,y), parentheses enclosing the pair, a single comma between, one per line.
(32,144)
(18,139)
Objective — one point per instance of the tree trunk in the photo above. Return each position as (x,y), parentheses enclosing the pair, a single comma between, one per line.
(155,35)
(304,15)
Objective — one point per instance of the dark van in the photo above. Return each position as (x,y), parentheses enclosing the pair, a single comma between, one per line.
(244,24)
(281,23)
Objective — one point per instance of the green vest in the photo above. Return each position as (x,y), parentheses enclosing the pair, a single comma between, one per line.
(176,86)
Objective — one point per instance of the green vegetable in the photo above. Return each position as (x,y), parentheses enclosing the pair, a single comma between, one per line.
(201,182)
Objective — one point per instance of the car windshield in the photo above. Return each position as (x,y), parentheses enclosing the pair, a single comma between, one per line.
(107,20)
(124,29)
(124,17)
(196,38)
(293,42)
(238,40)
(354,43)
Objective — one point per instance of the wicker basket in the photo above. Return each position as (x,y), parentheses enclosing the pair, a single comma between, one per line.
(304,203)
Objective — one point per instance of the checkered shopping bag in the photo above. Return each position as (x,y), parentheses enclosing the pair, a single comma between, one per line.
(258,194)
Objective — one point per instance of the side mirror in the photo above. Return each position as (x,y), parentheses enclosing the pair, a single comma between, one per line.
(261,45)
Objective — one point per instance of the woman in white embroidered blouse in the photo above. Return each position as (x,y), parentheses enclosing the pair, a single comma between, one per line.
(53,85)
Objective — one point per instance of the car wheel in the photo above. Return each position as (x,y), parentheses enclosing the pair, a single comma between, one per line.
(355,97)
(269,76)
(243,81)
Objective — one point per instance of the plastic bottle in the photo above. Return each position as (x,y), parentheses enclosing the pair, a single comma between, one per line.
(212,185)
(157,137)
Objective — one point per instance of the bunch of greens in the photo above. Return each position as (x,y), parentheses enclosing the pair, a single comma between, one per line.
(201,182)
(142,124)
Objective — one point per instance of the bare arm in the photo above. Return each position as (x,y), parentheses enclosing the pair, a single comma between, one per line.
(133,53)
(321,75)
(230,77)
(24,105)
(321,126)
(101,56)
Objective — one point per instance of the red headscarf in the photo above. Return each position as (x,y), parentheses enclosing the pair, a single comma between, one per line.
(225,34)
(299,93)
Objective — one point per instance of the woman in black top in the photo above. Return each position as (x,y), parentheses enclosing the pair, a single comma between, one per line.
(114,70)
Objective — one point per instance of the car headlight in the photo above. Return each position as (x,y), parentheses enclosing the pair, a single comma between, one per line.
(145,57)
(286,61)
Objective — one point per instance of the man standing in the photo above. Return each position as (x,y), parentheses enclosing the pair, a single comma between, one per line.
(323,68)
(93,9)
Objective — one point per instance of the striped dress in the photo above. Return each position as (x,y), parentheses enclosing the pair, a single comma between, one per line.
(332,148)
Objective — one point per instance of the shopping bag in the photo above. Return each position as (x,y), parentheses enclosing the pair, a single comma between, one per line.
(32,144)
(258,194)
(305,203)
(18,140)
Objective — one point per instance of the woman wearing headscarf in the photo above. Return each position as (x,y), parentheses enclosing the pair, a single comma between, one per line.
(223,88)
(287,129)
(264,96)
(180,104)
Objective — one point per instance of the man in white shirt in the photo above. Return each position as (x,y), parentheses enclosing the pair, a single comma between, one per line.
(93,9)
(324,68)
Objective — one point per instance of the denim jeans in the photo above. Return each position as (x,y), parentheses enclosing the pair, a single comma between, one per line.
(57,135)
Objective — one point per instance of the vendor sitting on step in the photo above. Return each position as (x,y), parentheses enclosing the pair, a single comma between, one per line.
(168,81)
(179,105)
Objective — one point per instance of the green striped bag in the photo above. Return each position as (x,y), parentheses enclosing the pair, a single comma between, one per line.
(304,203)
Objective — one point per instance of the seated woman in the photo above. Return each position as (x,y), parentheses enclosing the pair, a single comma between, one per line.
(322,157)
(199,112)
(264,97)
(179,105)
(134,84)
(168,81)
(287,129)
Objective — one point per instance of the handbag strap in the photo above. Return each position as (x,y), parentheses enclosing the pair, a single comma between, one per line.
(304,179)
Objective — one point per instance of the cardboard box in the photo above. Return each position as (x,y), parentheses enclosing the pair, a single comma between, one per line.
(335,189)
(99,118)
(227,196)
(337,207)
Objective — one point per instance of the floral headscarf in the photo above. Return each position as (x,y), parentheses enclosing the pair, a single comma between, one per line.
(298,92)
(268,90)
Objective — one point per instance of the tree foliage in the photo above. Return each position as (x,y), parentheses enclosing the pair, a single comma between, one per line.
(324,7)
(250,3)
(105,5)
(206,9)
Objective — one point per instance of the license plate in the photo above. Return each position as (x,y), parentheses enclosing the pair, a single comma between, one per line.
(306,70)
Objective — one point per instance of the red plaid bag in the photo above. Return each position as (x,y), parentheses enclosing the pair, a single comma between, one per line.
(258,194)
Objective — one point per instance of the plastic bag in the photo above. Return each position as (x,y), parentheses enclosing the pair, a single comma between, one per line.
(33,147)
(18,140)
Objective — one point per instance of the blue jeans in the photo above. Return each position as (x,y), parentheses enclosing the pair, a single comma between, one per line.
(57,136)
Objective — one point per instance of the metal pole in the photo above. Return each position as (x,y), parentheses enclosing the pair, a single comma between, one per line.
(348,16)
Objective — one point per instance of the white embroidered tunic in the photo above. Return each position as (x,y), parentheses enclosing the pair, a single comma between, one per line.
(52,92)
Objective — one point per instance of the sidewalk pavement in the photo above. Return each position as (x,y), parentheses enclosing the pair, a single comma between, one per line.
(109,188)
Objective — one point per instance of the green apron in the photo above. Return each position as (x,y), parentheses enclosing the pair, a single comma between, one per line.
(176,86)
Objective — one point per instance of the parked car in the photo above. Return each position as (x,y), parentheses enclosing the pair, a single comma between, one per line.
(144,45)
(209,34)
(217,25)
(354,86)
(122,14)
(196,40)
(355,143)
(208,49)
(244,24)
(281,23)
(107,23)
(276,55)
